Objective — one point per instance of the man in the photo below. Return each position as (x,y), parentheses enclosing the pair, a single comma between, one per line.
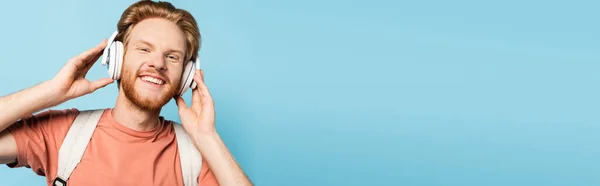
(131,144)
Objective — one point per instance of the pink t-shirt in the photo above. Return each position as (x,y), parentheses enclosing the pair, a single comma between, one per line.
(116,155)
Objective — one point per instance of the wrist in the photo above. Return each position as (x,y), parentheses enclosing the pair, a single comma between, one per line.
(207,137)
(208,141)
(220,159)
(49,94)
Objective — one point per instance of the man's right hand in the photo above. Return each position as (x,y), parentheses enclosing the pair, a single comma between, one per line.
(70,81)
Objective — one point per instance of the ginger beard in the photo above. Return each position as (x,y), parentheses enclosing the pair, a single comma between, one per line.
(128,81)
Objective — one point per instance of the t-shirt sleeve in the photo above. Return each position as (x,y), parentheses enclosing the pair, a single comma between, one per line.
(206,175)
(39,137)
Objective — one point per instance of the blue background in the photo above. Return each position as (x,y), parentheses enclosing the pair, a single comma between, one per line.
(373,92)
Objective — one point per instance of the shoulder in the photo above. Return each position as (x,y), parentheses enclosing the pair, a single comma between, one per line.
(50,125)
(56,114)
(39,135)
(47,118)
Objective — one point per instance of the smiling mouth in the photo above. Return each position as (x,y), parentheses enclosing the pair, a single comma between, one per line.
(152,80)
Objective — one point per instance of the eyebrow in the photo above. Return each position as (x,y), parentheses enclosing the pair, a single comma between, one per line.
(152,46)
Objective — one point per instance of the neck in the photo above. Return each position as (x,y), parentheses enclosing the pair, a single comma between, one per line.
(134,117)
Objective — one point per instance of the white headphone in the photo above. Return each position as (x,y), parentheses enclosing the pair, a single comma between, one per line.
(113,56)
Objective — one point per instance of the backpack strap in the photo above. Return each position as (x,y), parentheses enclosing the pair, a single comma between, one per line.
(75,143)
(191,160)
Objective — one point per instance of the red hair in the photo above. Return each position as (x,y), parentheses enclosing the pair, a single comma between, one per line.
(145,9)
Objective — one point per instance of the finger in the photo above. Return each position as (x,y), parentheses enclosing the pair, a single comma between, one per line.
(95,57)
(90,64)
(91,53)
(96,51)
(202,87)
(180,102)
(101,83)
(196,99)
(198,81)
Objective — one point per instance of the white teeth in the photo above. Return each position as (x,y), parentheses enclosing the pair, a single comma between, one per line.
(152,80)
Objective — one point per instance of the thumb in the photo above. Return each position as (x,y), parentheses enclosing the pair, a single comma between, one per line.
(101,83)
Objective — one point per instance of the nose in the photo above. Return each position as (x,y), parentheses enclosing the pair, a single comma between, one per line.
(158,62)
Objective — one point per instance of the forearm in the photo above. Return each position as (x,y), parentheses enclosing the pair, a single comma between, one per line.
(25,102)
(221,161)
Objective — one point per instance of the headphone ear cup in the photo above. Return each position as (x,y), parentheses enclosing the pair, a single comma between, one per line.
(193,68)
(105,54)
(112,53)
(118,59)
(187,79)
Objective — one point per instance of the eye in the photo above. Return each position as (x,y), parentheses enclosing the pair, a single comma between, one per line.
(173,57)
(145,50)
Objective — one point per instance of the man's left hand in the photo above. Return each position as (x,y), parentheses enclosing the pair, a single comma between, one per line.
(199,122)
(199,119)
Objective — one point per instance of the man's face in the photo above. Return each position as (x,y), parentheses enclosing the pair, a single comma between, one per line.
(153,63)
